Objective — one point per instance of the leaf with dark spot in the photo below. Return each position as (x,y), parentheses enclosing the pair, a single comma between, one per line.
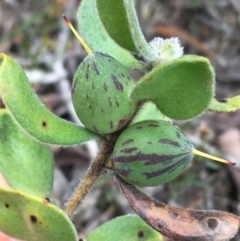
(187,225)
(27,217)
(33,219)
(125,228)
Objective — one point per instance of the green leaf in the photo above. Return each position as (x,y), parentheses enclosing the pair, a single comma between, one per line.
(120,21)
(26,164)
(182,88)
(149,111)
(30,113)
(125,228)
(97,37)
(33,219)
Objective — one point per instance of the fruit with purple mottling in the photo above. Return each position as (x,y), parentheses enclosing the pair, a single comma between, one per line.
(100,93)
(152,152)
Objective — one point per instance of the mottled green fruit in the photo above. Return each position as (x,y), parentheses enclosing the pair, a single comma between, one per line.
(100,93)
(151,152)
(27,165)
(125,228)
(30,218)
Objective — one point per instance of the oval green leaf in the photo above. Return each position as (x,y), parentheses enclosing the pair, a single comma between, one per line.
(30,113)
(182,88)
(97,37)
(120,21)
(125,228)
(33,219)
(26,165)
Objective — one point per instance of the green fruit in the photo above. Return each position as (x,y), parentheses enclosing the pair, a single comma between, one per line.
(100,93)
(151,152)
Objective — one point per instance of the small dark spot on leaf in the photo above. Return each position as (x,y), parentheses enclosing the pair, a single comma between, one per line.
(33,218)
(160,226)
(6,205)
(159,205)
(212,223)
(102,110)
(149,79)
(92,86)
(140,234)
(222,100)
(46,200)
(139,127)
(149,142)
(87,96)
(175,214)
(44,124)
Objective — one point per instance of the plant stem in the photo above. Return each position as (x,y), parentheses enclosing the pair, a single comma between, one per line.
(92,175)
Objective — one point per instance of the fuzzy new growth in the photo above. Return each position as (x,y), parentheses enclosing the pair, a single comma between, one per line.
(166,49)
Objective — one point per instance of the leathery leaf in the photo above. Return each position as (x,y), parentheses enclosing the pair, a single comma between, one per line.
(125,228)
(181,224)
(120,21)
(182,88)
(97,37)
(25,164)
(30,113)
(33,219)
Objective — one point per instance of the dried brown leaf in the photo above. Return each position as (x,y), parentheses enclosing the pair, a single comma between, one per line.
(181,224)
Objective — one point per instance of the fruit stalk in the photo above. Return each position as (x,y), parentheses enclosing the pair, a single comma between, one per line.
(92,175)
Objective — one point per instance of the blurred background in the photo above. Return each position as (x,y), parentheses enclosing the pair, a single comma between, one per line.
(34,33)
